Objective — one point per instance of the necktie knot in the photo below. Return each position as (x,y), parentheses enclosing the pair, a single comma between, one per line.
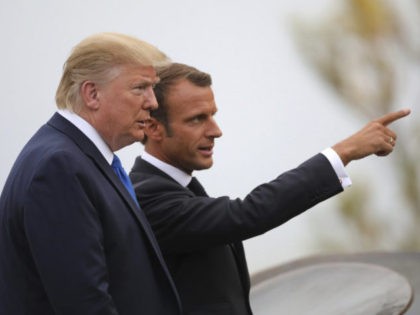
(122,175)
(116,163)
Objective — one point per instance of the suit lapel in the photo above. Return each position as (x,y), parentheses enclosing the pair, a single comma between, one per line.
(63,125)
(237,248)
(239,252)
(93,153)
(141,166)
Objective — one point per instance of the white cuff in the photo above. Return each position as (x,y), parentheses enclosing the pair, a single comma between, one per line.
(338,167)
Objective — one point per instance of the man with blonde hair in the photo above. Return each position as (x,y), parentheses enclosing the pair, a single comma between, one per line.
(73,240)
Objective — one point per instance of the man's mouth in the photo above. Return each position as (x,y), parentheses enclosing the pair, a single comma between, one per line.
(142,123)
(206,150)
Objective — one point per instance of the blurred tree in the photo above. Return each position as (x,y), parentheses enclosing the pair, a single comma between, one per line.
(368,51)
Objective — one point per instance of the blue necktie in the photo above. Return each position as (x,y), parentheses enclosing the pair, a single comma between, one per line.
(119,170)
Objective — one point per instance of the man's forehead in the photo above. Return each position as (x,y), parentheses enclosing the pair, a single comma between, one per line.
(149,79)
(187,90)
(191,104)
(144,73)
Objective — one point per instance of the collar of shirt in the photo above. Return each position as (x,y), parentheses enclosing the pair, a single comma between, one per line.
(89,132)
(180,176)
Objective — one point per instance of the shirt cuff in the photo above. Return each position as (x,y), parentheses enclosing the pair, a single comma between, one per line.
(338,167)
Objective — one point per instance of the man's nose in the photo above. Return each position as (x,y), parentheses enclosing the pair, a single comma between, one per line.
(214,131)
(150,99)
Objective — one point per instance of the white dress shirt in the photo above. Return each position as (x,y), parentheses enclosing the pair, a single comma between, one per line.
(180,176)
(89,132)
(184,179)
(338,167)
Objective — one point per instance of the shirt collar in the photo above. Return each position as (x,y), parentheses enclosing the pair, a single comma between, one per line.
(89,132)
(180,176)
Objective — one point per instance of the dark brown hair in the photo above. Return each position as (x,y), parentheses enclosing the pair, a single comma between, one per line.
(169,75)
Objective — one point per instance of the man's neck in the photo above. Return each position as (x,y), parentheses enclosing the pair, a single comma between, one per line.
(178,175)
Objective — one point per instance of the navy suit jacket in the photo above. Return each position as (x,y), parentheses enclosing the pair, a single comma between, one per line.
(72,240)
(200,237)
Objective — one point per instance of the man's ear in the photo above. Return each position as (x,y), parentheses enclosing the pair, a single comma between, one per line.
(154,130)
(90,94)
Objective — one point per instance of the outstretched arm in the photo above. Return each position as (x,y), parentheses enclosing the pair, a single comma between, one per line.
(374,138)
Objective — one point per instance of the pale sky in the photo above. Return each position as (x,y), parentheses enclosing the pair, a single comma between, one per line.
(274,111)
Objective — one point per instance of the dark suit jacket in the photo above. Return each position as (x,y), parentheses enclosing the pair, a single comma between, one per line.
(200,236)
(72,240)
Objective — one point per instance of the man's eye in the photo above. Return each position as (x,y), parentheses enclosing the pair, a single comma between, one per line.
(198,119)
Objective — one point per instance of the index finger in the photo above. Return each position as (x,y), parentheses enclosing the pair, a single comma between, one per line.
(391,117)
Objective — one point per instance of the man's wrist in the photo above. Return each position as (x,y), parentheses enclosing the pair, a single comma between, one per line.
(338,166)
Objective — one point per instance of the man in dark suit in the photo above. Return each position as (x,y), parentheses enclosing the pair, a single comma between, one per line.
(201,236)
(73,240)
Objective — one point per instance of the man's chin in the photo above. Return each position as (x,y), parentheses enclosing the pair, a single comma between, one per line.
(204,166)
(140,136)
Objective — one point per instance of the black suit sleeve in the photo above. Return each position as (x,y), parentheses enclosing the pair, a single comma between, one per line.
(184,222)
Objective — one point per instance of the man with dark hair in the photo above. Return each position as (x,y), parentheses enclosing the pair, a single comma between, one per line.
(201,236)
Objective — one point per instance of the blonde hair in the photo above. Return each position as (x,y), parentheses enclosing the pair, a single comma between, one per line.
(98,58)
